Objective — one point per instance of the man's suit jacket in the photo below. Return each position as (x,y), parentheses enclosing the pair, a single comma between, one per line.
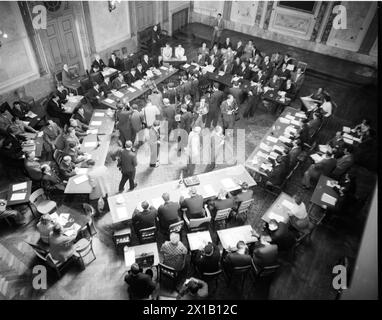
(61,94)
(343,164)
(144,219)
(201,61)
(92,95)
(278,174)
(314,125)
(235,68)
(274,84)
(235,259)
(136,121)
(237,94)
(117,84)
(291,92)
(168,213)
(226,68)
(265,255)
(100,64)
(128,161)
(221,204)
(194,206)
(220,25)
(33,169)
(124,124)
(106,87)
(140,74)
(117,64)
(97,77)
(61,247)
(298,82)
(216,100)
(169,115)
(239,51)
(293,156)
(244,196)
(325,166)
(146,65)
(246,73)
(130,78)
(54,109)
(208,264)
(282,237)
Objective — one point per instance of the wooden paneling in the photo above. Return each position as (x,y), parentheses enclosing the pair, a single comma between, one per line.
(145,14)
(179,19)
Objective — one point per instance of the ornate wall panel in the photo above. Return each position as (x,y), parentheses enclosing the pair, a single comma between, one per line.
(244,12)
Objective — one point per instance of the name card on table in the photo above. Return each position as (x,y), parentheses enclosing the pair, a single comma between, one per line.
(324,148)
(272,139)
(273,155)
(80,179)
(262,154)
(328,199)
(90,144)
(18,196)
(290,129)
(285,139)
(287,204)
(99,114)
(348,141)
(163,68)
(131,89)
(107,100)
(283,120)
(301,115)
(265,147)
(289,117)
(118,94)
(19,186)
(296,123)
(274,216)
(96,123)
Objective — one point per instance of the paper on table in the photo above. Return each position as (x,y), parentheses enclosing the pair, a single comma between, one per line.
(331,183)
(95,123)
(163,68)
(107,100)
(129,257)
(69,232)
(289,117)
(65,216)
(295,122)
(262,154)
(283,120)
(40,134)
(19,186)
(285,139)
(18,196)
(349,141)
(76,227)
(209,190)
(186,65)
(266,166)
(265,147)
(287,204)
(274,216)
(90,144)
(80,179)
(273,155)
(81,170)
(323,148)
(54,216)
(228,183)
(210,68)
(357,140)
(118,94)
(328,199)
(92,131)
(99,114)
(131,89)
(348,136)
(198,240)
(346,129)
(121,212)
(221,73)
(120,199)
(290,67)
(316,157)
(157,202)
(272,139)
(255,160)
(300,115)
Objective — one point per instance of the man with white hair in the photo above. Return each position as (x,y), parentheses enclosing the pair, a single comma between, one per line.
(174,252)
(193,205)
(66,168)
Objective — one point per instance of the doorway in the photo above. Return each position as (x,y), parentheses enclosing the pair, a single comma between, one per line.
(179,20)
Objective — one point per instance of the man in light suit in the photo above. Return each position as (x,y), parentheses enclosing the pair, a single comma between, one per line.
(218,28)
(215,101)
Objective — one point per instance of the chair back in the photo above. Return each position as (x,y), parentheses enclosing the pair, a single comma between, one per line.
(223,214)
(147,234)
(268,271)
(302,65)
(58,76)
(167,271)
(86,84)
(244,206)
(37,196)
(200,223)
(88,209)
(57,156)
(241,270)
(176,227)
(212,275)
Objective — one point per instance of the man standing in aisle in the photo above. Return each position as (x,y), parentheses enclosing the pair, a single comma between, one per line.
(127,164)
(228,109)
(218,28)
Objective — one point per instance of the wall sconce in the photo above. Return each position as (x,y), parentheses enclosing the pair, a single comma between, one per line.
(113,4)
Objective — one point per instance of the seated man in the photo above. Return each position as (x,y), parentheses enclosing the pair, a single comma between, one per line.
(344,163)
(265,253)
(95,95)
(194,205)
(168,213)
(289,89)
(73,151)
(314,124)
(274,83)
(21,130)
(32,166)
(140,72)
(71,137)
(278,173)
(115,62)
(131,76)
(223,201)
(174,252)
(298,216)
(193,289)
(294,153)
(146,63)
(179,53)
(119,82)
(96,75)
(325,167)
(141,285)
(79,128)
(62,93)
(203,50)
(17,110)
(207,259)
(79,115)
(238,258)
(98,62)
(106,86)
(280,235)
(45,227)
(56,110)
(50,181)
(66,168)
(144,218)
(245,194)
(61,247)
(167,52)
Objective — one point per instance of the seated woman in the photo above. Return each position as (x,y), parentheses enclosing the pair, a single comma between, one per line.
(298,215)
(45,227)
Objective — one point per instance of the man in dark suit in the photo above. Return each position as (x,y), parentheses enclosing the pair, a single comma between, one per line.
(95,94)
(146,63)
(315,123)
(194,205)
(168,213)
(237,92)
(168,113)
(267,67)
(265,254)
(226,67)
(325,167)
(280,235)
(144,218)
(224,201)
(344,163)
(290,89)
(115,62)
(294,153)
(139,71)
(127,164)
(245,194)
(244,71)
(218,28)
(96,75)
(141,285)
(239,49)
(131,76)
(119,82)
(236,66)
(238,258)
(278,173)
(106,86)
(298,78)
(274,83)
(98,62)
(56,110)
(207,260)
(186,119)
(62,93)
(154,143)
(124,124)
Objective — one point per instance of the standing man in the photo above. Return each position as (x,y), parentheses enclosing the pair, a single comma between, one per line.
(127,165)
(228,112)
(216,99)
(218,28)
(154,142)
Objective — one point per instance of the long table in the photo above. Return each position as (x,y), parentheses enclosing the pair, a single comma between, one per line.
(323,192)
(271,141)
(279,209)
(97,145)
(231,236)
(123,205)
(130,93)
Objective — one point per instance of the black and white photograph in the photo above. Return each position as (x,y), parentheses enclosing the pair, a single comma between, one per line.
(219,151)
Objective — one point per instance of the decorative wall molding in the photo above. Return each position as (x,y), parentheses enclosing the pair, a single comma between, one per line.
(244,12)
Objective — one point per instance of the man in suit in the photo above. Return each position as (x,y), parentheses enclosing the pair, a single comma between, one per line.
(314,124)
(289,89)
(244,71)
(215,51)
(98,62)
(283,73)
(201,60)
(184,88)
(154,142)
(131,76)
(253,101)
(144,218)
(228,108)
(267,67)
(141,285)
(106,86)
(344,163)
(32,166)
(280,235)
(124,124)
(277,60)
(278,173)
(96,75)
(226,67)
(245,194)
(207,259)
(95,94)
(239,49)
(265,254)
(325,167)
(115,62)
(259,77)
(194,205)
(168,213)
(146,63)
(236,92)
(223,201)
(274,83)
(298,78)
(218,26)
(214,61)
(136,123)
(61,247)
(140,72)
(156,40)
(56,110)
(294,153)
(186,119)
(119,82)
(169,112)
(66,168)
(227,43)
(127,165)
(62,93)
(238,258)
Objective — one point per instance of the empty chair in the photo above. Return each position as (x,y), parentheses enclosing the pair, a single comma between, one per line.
(262,272)
(41,202)
(197,224)
(167,277)
(122,238)
(222,216)
(147,235)
(84,247)
(244,206)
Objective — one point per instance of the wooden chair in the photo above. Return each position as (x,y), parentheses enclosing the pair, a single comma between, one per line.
(41,202)
(84,247)
(239,273)
(222,216)
(122,238)
(197,224)
(212,277)
(176,227)
(245,205)
(147,235)
(167,276)
(262,272)
(88,230)
(88,210)
(302,65)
